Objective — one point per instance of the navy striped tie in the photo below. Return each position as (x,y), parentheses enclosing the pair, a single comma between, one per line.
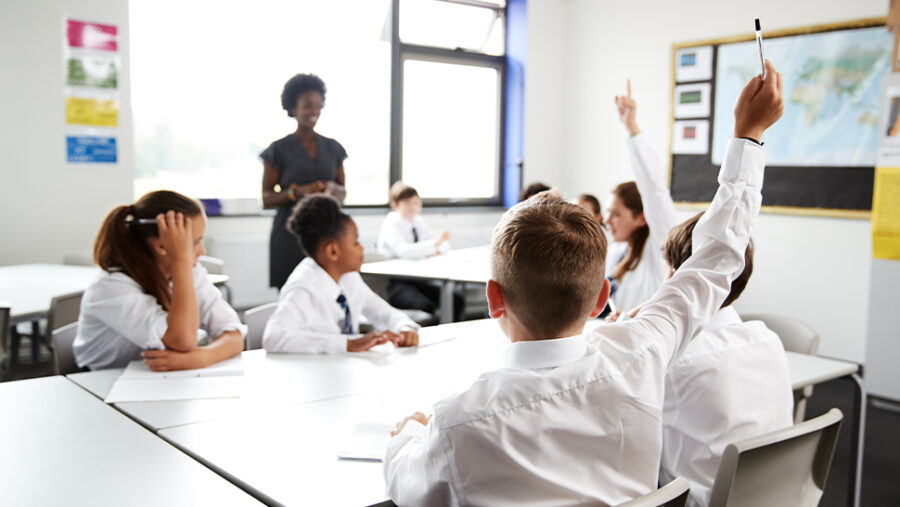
(348,322)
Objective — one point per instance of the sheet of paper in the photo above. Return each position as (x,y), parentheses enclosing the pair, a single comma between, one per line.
(169,389)
(692,100)
(690,137)
(228,367)
(693,64)
(886,213)
(368,442)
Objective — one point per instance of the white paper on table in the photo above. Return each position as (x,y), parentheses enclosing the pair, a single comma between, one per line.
(692,100)
(690,137)
(368,442)
(693,64)
(229,367)
(170,389)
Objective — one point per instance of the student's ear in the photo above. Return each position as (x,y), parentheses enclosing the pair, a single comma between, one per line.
(393,206)
(157,247)
(642,221)
(602,299)
(496,305)
(331,250)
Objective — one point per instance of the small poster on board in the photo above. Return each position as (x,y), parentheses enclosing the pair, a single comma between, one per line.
(692,100)
(91,149)
(690,137)
(693,64)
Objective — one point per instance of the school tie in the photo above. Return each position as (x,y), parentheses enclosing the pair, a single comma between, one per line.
(348,322)
(415,235)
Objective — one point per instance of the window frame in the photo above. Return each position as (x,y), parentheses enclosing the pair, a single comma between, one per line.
(400,53)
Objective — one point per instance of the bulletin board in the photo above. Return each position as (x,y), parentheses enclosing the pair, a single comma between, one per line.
(821,154)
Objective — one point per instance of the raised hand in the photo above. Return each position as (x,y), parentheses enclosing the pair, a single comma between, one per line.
(176,236)
(628,111)
(760,104)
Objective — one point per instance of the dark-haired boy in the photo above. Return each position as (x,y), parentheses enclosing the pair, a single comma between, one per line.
(320,305)
(731,383)
(575,418)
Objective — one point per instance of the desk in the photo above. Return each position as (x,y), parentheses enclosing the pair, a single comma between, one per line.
(468,265)
(258,441)
(61,446)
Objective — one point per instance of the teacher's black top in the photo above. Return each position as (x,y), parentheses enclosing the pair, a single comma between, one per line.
(296,166)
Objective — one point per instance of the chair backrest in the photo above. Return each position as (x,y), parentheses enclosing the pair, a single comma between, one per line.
(796,335)
(4,338)
(213,265)
(256,319)
(785,467)
(64,310)
(63,358)
(673,494)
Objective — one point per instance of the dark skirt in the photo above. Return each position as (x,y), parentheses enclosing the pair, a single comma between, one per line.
(284,250)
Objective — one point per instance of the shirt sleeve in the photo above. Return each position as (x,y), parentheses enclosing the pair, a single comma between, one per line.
(216,315)
(270,155)
(381,314)
(126,309)
(659,209)
(416,468)
(295,328)
(339,152)
(691,298)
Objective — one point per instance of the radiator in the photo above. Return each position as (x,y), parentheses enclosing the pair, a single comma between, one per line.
(247,265)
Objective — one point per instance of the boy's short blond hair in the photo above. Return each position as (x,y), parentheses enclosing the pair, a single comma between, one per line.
(401,191)
(549,258)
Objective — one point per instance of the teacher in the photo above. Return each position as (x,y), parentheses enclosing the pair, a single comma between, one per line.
(299,164)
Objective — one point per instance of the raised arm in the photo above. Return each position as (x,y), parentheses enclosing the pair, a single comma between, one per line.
(690,299)
(176,238)
(659,210)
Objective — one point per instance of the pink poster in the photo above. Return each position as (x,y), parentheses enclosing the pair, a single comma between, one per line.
(82,34)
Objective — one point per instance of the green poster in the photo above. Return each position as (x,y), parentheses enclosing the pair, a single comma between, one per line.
(94,71)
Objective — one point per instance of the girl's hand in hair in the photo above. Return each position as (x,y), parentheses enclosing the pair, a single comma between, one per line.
(176,236)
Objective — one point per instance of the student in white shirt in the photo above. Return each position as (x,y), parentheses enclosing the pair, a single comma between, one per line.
(404,234)
(152,296)
(591,204)
(640,213)
(575,418)
(731,383)
(320,305)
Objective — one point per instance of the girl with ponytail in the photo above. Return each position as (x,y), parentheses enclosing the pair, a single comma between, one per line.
(152,296)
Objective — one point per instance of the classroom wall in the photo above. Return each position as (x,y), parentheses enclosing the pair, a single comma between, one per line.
(48,208)
(814,268)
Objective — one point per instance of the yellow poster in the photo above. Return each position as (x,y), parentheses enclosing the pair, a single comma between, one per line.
(886,213)
(96,112)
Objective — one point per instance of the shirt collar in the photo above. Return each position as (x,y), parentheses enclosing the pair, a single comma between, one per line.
(724,317)
(536,354)
(324,283)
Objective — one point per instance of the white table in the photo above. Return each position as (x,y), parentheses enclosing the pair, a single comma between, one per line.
(258,442)
(62,446)
(467,265)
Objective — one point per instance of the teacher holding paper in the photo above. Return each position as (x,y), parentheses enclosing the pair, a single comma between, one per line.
(297,165)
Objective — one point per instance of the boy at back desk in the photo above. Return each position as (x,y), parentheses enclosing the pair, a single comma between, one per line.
(572,417)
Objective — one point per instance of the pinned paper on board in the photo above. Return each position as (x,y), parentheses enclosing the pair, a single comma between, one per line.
(91,149)
(886,213)
(91,111)
(690,137)
(692,100)
(88,35)
(693,64)
(97,71)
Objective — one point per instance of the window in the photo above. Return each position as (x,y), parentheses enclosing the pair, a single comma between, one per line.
(206,90)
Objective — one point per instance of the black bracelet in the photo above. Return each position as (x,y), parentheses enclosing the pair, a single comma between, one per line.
(751,139)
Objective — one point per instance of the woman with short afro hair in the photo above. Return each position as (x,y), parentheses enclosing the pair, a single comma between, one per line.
(299,164)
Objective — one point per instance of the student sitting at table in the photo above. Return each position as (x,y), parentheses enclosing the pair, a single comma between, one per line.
(592,205)
(532,190)
(731,383)
(404,234)
(320,305)
(574,417)
(152,296)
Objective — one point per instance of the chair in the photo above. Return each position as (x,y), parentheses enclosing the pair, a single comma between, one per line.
(4,340)
(796,336)
(213,265)
(785,467)
(673,494)
(63,357)
(64,310)
(256,319)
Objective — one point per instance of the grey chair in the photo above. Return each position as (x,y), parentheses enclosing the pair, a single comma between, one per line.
(213,265)
(4,342)
(785,467)
(796,336)
(256,319)
(63,357)
(64,310)
(673,494)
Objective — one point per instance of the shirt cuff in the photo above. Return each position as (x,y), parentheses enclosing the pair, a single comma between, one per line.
(744,162)
(413,429)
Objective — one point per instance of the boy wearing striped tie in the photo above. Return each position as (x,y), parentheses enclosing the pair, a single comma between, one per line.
(320,304)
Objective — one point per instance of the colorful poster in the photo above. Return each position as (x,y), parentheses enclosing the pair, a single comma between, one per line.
(693,64)
(91,149)
(98,71)
(690,137)
(94,112)
(886,213)
(99,36)
(692,100)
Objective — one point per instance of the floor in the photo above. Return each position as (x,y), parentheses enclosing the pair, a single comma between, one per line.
(881,461)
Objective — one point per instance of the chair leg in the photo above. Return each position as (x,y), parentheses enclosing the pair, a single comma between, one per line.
(14,340)
(35,341)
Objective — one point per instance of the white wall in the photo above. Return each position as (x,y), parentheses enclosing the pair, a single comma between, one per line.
(50,209)
(814,268)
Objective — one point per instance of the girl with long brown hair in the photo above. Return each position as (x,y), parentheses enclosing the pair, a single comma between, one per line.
(152,296)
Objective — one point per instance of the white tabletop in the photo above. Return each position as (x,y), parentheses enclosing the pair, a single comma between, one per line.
(809,370)
(464,265)
(28,288)
(62,446)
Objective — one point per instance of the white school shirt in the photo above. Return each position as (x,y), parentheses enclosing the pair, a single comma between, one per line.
(580,419)
(310,320)
(396,239)
(640,284)
(731,383)
(118,320)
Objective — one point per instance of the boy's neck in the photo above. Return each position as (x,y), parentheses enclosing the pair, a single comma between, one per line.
(516,332)
(332,269)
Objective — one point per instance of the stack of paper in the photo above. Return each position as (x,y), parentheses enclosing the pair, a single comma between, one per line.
(368,442)
(139,383)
